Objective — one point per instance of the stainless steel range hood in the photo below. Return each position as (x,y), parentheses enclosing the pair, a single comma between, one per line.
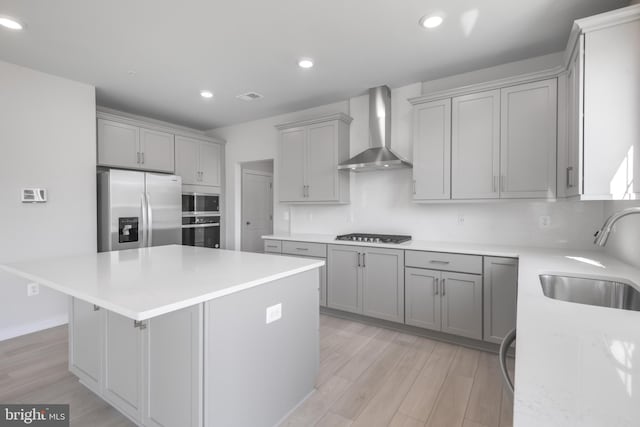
(379,156)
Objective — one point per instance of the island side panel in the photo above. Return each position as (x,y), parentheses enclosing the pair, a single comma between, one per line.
(255,373)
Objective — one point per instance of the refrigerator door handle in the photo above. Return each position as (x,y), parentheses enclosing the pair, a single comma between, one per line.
(143,214)
(149,222)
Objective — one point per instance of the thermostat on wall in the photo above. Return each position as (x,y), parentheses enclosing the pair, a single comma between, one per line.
(34,195)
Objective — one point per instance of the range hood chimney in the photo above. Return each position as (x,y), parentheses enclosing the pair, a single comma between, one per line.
(379,156)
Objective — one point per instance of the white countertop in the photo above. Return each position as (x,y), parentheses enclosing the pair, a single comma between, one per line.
(576,365)
(148,282)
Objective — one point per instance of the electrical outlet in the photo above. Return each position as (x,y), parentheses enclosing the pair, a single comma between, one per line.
(274,313)
(33,289)
(544,221)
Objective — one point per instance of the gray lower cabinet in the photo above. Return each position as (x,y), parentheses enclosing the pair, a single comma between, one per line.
(85,343)
(152,373)
(462,304)
(500,294)
(173,361)
(422,298)
(444,301)
(344,284)
(367,281)
(123,365)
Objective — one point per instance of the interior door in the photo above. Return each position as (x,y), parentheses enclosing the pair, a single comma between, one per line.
(164,204)
(257,209)
(292,165)
(186,160)
(157,150)
(528,140)
(210,164)
(321,159)
(475,146)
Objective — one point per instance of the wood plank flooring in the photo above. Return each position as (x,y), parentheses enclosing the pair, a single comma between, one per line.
(372,377)
(369,376)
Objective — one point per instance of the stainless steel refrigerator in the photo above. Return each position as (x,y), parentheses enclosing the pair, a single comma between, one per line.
(138,209)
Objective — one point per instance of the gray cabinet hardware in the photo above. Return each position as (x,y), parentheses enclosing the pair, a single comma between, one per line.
(359,263)
(569,170)
(364,259)
(443,286)
(139,324)
(435,261)
(435,287)
(95,307)
(138,157)
(302,249)
(142,157)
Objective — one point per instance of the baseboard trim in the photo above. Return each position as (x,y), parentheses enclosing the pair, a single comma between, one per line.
(17,331)
(426,333)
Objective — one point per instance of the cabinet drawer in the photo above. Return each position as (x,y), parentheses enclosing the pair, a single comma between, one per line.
(273,246)
(304,248)
(444,261)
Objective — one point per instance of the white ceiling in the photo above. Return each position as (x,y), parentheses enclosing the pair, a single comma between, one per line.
(177,48)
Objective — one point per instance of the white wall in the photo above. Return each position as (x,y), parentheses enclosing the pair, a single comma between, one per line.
(380,201)
(47,139)
(624,241)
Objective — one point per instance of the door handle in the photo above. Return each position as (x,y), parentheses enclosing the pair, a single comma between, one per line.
(443,288)
(142,156)
(149,221)
(138,157)
(569,170)
(435,261)
(364,260)
(435,287)
(359,265)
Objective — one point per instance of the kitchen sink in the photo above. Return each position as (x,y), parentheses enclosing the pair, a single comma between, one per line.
(598,292)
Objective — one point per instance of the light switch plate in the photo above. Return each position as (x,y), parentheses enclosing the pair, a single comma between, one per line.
(34,195)
(274,313)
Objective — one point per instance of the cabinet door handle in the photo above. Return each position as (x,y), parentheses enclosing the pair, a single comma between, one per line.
(364,260)
(302,249)
(443,288)
(139,324)
(435,261)
(95,307)
(359,264)
(142,157)
(138,157)
(435,287)
(569,170)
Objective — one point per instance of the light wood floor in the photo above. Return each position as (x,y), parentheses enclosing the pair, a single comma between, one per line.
(369,376)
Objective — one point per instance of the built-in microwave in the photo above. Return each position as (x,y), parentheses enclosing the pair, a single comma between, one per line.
(201,220)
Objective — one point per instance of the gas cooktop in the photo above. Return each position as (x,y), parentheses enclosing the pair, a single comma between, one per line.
(374,238)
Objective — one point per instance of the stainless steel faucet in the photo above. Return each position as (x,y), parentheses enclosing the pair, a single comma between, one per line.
(603,234)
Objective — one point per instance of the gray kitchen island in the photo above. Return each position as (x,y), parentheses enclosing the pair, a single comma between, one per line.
(185,336)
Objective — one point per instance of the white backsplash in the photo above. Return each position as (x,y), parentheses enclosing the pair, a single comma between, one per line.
(380,203)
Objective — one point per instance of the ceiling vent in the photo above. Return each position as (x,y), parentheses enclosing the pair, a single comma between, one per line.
(250,96)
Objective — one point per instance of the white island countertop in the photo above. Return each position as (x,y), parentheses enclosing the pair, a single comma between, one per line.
(576,365)
(148,282)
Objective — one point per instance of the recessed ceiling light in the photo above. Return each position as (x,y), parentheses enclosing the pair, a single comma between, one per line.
(431,21)
(10,23)
(206,94)
(305,63)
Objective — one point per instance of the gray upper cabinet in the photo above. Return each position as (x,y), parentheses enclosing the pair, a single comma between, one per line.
(344,284)
(173,366)
(198,162)
(118,144)
(475,146)
(131,147)
(308,156)
(422,298)
(383,283)
(85,343)
(462,304)
(528,140)
(366,280)
(293,155)
(157,150)
(432,150)
(603,106)
(123,365)
(500,289)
